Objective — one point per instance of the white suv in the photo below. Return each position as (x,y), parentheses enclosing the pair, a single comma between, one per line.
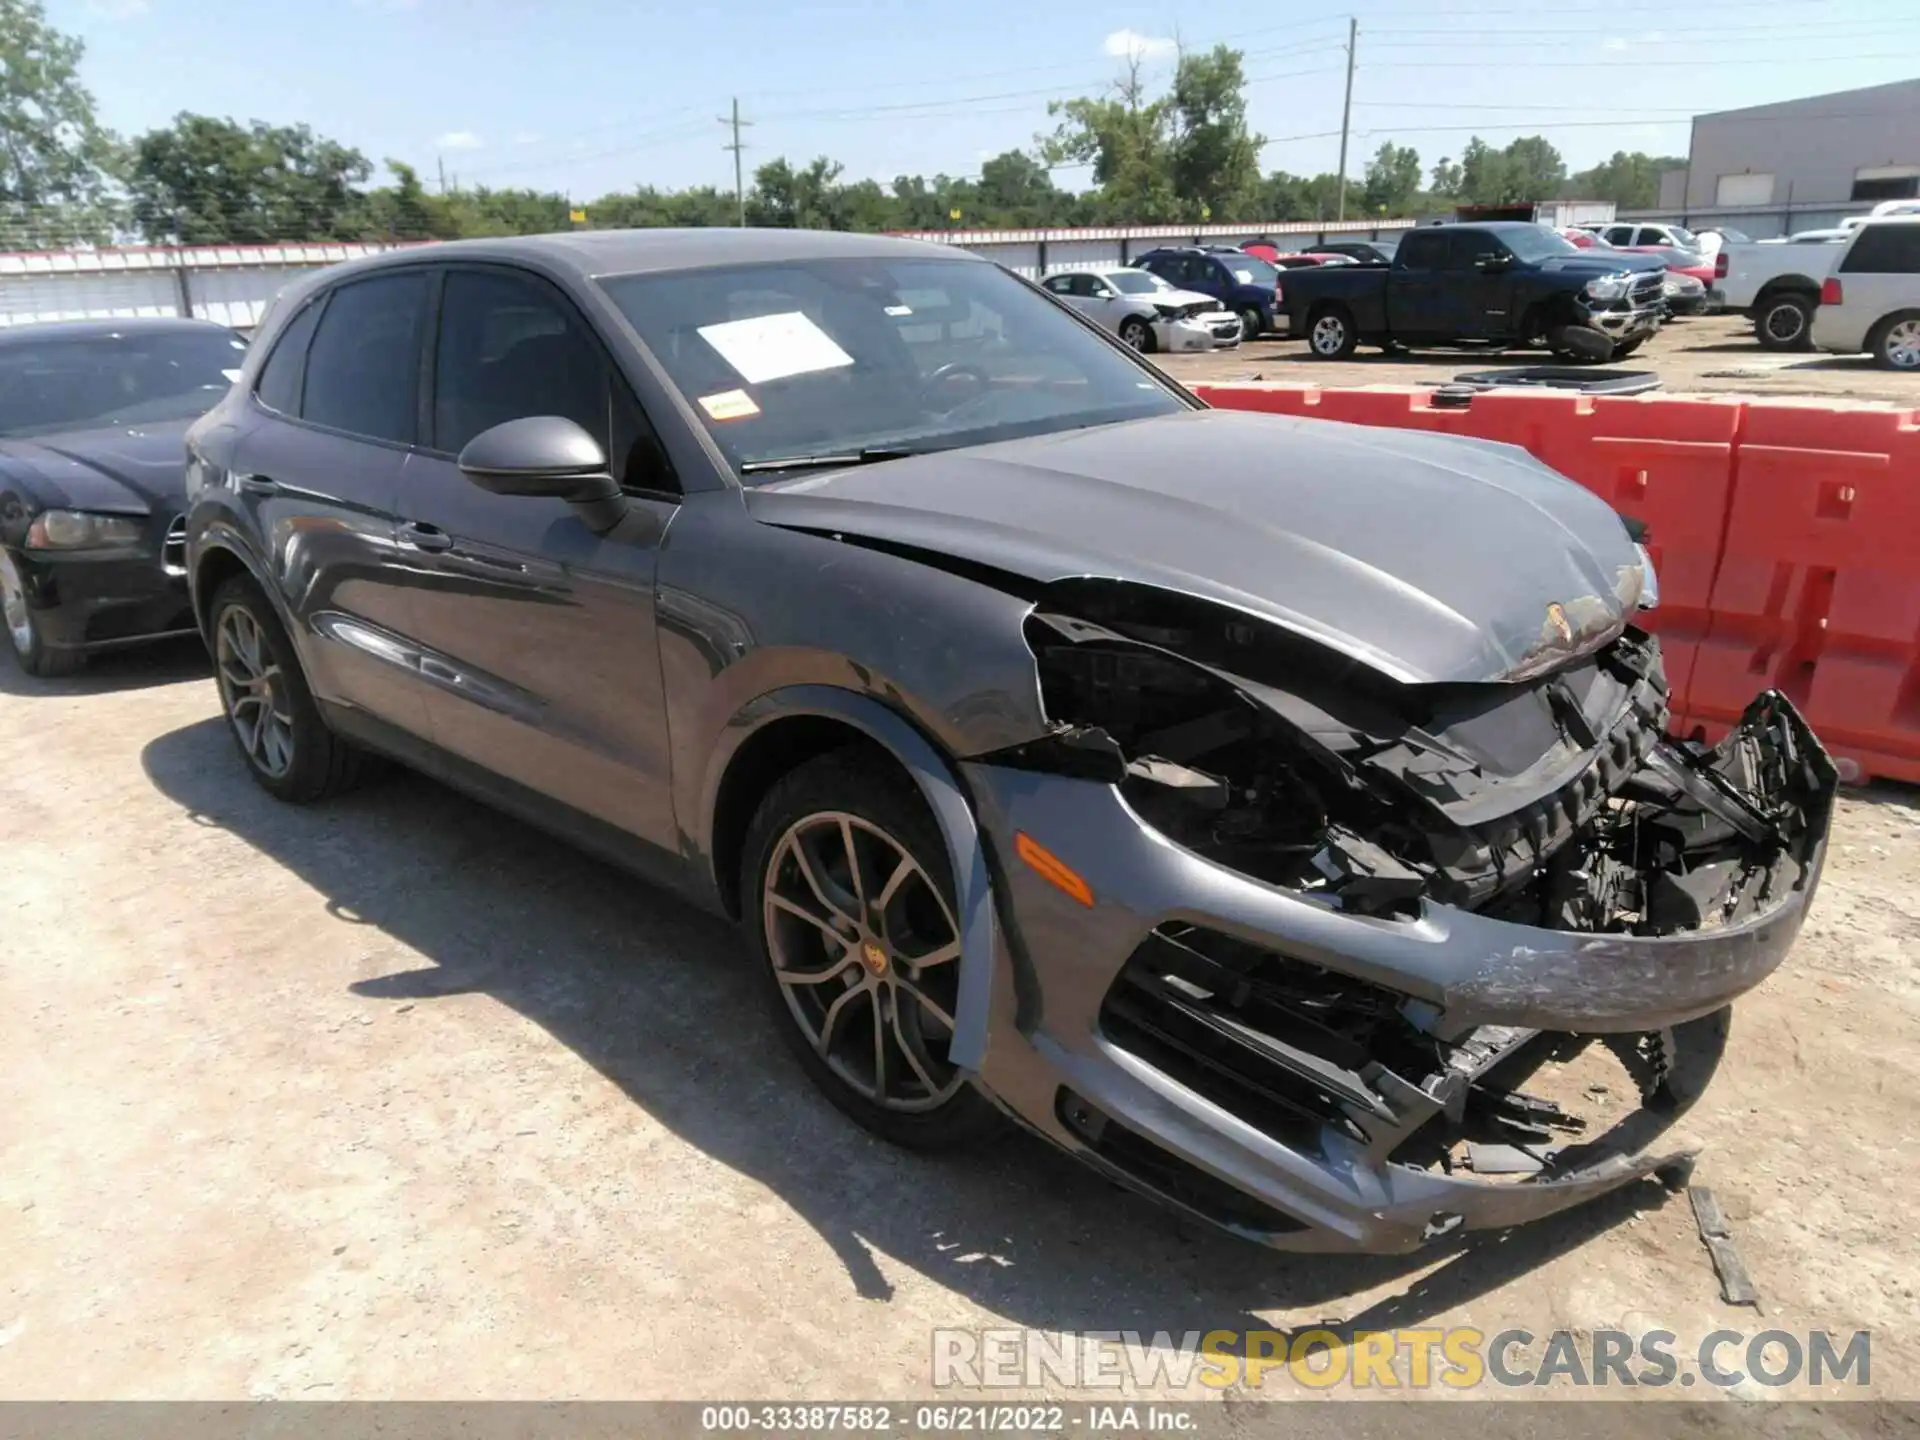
(1871,298)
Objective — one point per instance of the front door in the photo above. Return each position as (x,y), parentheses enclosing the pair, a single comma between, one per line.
(537,634)
(1477,287)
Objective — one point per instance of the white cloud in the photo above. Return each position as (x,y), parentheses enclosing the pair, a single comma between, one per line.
(527,137)
(459,140)
(1615,43)
(117,9)
(1653,37)
(1132,45)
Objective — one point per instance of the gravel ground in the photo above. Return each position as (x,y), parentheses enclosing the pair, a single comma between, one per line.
(395,1098)
(1704,355)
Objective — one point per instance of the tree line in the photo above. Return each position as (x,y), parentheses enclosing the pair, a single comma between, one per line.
(1181,153)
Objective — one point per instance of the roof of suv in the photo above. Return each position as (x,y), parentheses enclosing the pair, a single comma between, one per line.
(628,252)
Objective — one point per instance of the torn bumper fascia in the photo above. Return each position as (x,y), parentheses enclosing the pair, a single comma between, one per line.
(1055,960)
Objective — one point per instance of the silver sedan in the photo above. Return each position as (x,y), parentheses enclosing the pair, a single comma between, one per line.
(1145,311)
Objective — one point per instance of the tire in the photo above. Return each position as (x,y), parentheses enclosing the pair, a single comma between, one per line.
(1621,352)
(1785,321)
(1331,334)
(1580,344)
(269,708)
(1137,334)
(30,648)
(1251,326)
(864,973)
(1895,342)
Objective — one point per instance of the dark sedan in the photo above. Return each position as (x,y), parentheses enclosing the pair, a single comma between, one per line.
(1273,813)
(92,485)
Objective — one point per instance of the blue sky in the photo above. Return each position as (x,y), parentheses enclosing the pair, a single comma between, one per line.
(587,96)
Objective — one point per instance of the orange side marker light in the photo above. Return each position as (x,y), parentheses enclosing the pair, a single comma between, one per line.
(1052,868)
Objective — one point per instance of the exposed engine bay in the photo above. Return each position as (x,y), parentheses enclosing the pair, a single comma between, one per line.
(1557,802)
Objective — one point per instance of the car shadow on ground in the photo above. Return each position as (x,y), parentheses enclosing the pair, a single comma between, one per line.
(660,998)
(165,662)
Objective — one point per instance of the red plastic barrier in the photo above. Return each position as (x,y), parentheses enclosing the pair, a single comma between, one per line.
(1818,592)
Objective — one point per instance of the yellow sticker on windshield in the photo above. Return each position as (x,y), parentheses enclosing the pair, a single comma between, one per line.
(729,405)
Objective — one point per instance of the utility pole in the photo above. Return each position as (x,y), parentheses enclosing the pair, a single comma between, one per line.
(1346,114)
(441,162)
(739,178)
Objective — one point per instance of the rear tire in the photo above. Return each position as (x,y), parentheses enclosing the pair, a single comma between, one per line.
(838,966)
(1251,327)
(270,710)
(1895,342)
(30,648)
(1331,334)
(1137,334)
(1785,322)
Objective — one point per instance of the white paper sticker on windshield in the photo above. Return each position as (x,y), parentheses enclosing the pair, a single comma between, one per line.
(772,347)
(897,310)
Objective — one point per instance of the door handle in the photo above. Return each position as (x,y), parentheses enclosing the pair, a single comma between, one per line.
(430,538)
(256,485)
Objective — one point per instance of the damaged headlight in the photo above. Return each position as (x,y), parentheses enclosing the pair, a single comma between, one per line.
(1608,287)
(1649,580)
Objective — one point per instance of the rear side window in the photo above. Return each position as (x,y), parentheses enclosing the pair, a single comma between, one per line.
(1885,250)
(279,387)
(364,363)
(1423,250)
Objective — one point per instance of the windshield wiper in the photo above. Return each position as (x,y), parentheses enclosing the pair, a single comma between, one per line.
(871,455)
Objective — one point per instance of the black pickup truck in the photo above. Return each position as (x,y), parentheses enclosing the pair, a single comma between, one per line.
(1501,285)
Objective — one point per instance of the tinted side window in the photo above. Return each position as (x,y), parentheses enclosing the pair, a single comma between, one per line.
(364,363)
(1061,284)
(510,347)
(1885,250)
(280,377)
(1423,250)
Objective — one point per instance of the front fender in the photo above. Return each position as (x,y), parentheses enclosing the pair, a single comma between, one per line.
(952,810)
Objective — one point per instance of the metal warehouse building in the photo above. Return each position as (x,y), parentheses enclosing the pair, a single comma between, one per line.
(1801,163)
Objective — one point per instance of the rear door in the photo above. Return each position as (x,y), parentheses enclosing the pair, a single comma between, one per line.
(538,633)
(1880,273)
(319,471)
(1416,306)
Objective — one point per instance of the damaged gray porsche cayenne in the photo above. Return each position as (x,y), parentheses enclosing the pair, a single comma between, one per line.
(1280,816)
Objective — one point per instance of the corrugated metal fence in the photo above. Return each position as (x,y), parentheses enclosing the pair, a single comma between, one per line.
(234,284)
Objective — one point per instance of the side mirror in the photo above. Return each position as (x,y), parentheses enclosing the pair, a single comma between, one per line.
(1493,263)
(548,456)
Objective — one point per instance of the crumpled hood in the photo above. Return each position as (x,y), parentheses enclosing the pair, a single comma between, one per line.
(132,469)
(1181,297)
(1602,262)
(1430,557)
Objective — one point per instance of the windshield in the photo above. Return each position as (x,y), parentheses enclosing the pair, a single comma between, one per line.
(1684,236)
(1537,243)
(832,357)
(75,384)
(1251,270)
(1136,282)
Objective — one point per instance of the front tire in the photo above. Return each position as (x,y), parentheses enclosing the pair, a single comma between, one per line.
(1251,326)
(1331,334)
(270,710)
(1895,342)
(847,899)
(1621,352)
(1785,322)
(23,629)
(1137,334)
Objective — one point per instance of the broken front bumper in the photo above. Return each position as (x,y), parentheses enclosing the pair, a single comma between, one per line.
(1110,1033)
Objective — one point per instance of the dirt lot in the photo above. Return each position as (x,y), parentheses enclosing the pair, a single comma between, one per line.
(1705,355)
(393,1098)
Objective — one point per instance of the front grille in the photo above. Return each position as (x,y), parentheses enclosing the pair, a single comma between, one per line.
(173,550)
(1648,288)
(1278,1042)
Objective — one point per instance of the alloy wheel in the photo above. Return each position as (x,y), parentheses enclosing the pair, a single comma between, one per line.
(1785,322)
(254,690)
(1902,345)
(13,600)
(1329,334)
(1135,337)
(866,952)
